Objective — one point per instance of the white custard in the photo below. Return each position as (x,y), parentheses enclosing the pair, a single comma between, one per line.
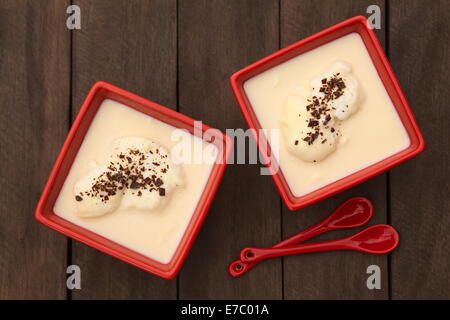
(153,222)
(368,131)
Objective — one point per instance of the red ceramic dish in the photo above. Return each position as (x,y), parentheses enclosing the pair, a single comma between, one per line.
(44,211)
(356,24)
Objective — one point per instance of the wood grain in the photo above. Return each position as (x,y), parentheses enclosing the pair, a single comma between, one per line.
(330,275)
(34,95)
(419,49)
(217,38)
(131,44)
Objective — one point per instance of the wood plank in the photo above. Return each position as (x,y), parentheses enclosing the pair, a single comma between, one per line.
(131,44)
(331,275)
(419,45)
(34,95)
(217,38)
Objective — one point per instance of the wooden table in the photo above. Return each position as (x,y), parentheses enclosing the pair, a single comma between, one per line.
(181,54)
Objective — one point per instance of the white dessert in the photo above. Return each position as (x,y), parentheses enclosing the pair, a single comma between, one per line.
(369,130)
(151,224)
(139,174)
(95,205)
(346,104)
(310,123)
(302,139)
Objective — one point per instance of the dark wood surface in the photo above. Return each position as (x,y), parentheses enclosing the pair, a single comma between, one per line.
(180,53)
(420,202)
(242,33)
(34,99)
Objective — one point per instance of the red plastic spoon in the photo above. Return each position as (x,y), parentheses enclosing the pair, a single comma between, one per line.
(376,239)
(354,212)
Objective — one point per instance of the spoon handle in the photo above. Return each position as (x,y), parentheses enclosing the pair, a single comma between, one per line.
(239,267)
(250,255)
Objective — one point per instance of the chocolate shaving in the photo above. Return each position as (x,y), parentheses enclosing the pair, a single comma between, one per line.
(129,173)
(332,88)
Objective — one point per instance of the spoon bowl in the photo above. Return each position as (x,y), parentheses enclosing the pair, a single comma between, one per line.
(378,239)
(353,212)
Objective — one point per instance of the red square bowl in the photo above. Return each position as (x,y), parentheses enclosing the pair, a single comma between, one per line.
(46,215)
(359,25)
